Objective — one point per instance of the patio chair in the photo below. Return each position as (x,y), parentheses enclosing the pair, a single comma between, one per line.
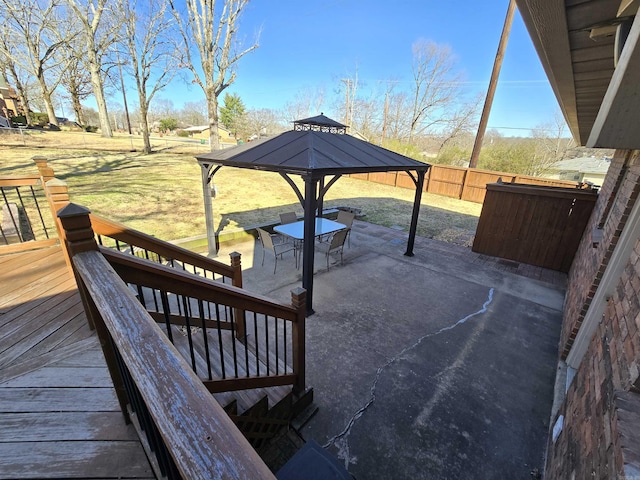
(346,218)
(278,249)
(335,245)
(291,217)
(288,217)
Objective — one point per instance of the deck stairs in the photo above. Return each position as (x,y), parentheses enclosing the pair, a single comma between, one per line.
(261,414)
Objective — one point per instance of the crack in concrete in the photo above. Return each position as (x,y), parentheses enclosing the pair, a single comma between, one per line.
(341,440)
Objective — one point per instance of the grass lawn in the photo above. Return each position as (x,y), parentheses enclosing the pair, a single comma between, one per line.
(161,194)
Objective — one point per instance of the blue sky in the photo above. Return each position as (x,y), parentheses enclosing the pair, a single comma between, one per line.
(311,45)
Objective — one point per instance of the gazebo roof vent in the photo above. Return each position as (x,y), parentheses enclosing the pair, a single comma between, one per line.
(319,123)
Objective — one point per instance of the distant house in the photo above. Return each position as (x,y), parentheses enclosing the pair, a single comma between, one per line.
(9,102)
(583,169)
(202,131)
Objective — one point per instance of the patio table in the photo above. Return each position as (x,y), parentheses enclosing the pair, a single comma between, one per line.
(295,230)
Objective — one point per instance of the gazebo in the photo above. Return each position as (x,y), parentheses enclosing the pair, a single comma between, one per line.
(320,151)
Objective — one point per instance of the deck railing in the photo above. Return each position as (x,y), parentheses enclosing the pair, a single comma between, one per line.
(124,239)
(131,300)
(25,223)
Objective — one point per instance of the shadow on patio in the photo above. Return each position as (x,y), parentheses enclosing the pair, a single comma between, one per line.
(440,365)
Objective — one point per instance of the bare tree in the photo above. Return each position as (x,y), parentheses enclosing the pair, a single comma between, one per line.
(35,26)
(146,34)
(77,82)
(210,34)
(435,85)
(459,121)
(194,113)
(397,126)
(98,34)
(263,122)
(307,102)
(551,145)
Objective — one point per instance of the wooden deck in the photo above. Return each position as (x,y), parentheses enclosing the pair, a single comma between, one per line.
(59,416)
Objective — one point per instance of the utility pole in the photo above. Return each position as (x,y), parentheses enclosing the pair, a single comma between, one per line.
(486,110)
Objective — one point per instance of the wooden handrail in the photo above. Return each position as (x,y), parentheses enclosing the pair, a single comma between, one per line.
(120,232)
(22,181)
(200,436)
(162,277)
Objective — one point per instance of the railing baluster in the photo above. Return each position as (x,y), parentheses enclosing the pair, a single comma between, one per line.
(187,319)
(246,344)
(205,338)
(24,209)
(141,296)
(142,414)
(266,338)
(220,342)
(155,299)
(16,223)
(286,350)
(277,353)
(255,332)
(166,310)
(233,345)
(44,226)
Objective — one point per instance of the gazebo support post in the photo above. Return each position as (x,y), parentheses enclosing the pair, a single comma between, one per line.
(308,249)
(416,211)
(208,210)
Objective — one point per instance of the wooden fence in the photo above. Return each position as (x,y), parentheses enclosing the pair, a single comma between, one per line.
(536,225)
(463,183)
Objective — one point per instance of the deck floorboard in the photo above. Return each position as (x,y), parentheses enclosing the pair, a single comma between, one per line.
(59,415)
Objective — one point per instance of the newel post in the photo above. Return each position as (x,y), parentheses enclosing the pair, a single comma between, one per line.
(299,302)
(236,281)
(78,234)
(237,269)
(45,171)
(57,194)
(79,237)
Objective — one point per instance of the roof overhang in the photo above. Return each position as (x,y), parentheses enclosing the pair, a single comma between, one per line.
(576,43)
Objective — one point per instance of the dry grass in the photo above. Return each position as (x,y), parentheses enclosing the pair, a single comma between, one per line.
(161,193)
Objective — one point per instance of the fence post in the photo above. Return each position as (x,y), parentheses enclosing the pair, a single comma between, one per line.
(299,302)
(79,237)
(463,187)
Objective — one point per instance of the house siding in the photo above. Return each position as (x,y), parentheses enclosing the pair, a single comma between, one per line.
(593,442)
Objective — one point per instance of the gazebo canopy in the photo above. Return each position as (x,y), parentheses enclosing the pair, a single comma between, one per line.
(317,147)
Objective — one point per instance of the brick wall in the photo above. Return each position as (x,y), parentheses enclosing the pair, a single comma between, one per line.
(590,444)
(617,196)
(595,440)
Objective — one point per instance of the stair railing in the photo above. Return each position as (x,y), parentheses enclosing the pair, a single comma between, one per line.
(24,223)
(187,432)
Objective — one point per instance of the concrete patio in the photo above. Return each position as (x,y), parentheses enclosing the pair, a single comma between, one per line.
(440,365)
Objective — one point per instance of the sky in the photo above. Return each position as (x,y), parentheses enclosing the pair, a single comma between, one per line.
(307,46)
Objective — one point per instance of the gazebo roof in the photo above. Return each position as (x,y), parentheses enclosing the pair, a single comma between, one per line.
(313,152)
